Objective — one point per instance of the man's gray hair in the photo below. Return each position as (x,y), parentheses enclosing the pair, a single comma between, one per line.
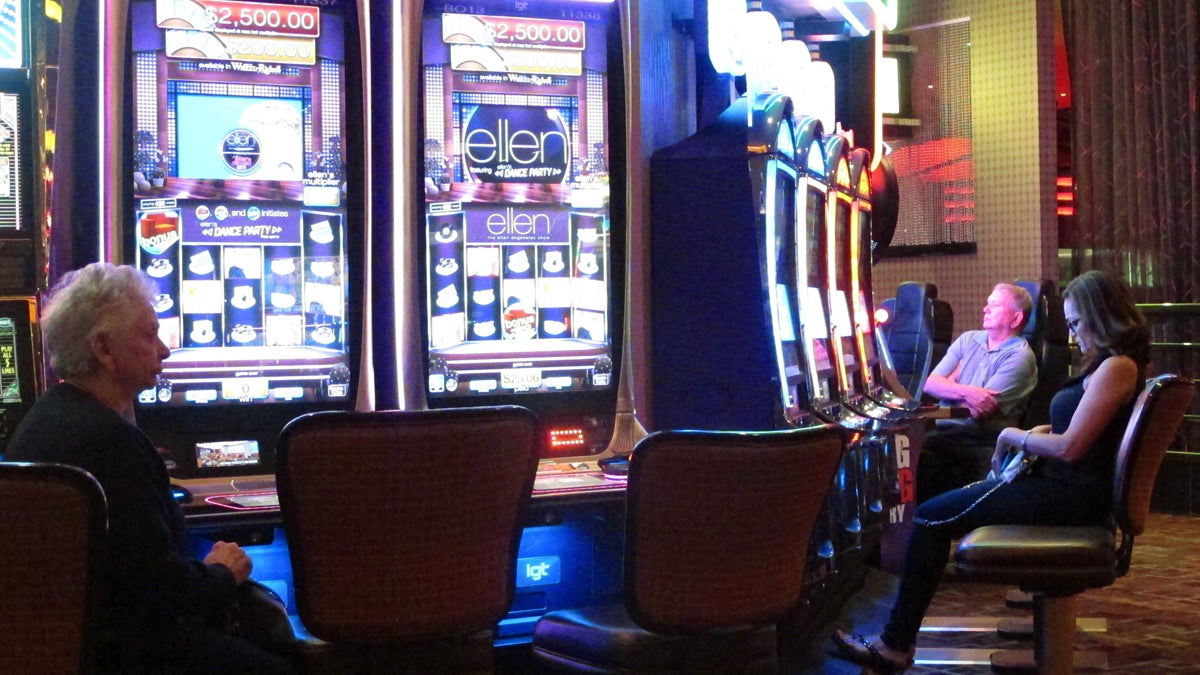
(1023,300)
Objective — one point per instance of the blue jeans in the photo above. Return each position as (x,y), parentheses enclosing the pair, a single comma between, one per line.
(1032,499)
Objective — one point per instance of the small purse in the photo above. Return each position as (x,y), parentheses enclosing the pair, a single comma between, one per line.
(1015,463)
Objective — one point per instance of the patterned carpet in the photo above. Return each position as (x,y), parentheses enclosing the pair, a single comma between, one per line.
(1152,615)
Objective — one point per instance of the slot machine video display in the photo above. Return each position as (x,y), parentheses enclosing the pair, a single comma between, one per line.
(19,367)
(523,232)
(246,214)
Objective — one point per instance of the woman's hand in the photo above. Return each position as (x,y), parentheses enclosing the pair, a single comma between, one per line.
(1008,442)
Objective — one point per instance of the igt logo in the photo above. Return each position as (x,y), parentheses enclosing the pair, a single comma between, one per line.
(538,571)
(517,144)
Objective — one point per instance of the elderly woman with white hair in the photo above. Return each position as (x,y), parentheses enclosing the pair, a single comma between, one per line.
(163,611)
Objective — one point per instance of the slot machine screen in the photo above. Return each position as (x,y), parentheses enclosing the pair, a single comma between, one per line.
(242,207)
(844,327)
(785,282)
(18,364)
(866,331)
(814,224)
(522,255)
(822,376)
(839,309)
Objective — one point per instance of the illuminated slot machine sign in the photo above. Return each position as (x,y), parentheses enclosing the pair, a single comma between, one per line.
(242,214)
(522,274)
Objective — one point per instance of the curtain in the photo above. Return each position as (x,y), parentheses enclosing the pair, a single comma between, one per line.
(1135,124)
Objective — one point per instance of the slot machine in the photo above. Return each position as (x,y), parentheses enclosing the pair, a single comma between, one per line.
(232,172)
(843,267)
(725,213)
(838,546)
(876,379)
(741,338)
(521,263)
(247,210)
(28,103)
(883,459)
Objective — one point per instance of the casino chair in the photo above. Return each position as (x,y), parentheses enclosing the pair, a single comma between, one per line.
(908,335)
(1046,332)
(53,538)
(403,528)
(717,525)
(1056,564)
(942,329)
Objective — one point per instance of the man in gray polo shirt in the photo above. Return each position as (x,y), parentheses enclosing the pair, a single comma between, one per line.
(990,372)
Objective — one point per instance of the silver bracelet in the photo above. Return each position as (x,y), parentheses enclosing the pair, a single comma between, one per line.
(1025,439)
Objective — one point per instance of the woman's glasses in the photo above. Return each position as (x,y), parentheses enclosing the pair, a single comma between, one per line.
(1073,325)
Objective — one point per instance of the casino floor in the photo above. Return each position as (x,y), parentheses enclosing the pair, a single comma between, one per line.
(1152,615)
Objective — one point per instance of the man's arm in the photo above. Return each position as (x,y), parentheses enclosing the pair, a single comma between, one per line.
(1014,378)
(979,401)
(943,383)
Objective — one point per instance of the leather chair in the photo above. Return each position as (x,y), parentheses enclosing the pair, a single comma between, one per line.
(907,334)
(53,536)
(941,330)
(1056,564)
(717,535)
(403,528)
(1046,332)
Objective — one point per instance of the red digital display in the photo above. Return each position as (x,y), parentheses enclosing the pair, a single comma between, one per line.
(528,32)
(225,16)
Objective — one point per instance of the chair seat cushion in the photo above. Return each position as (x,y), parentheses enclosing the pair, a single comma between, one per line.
(1052,560)
(605,639)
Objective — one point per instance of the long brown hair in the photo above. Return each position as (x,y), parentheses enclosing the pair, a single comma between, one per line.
(1112,319)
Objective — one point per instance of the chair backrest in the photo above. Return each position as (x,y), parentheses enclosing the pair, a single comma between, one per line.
(908,335)
(53,532)
(718,524)
(403,524)
(1156,417)
(1046,332)
(941,321)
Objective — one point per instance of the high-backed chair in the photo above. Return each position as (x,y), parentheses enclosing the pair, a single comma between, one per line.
(1046,332)
(717,534)
(53,534)
(908,334)
(403,530)
(941,330)
(1056,564)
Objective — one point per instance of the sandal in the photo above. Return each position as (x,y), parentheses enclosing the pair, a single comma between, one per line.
(860,650)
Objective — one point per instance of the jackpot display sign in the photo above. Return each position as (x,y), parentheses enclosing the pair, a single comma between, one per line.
(239,203)
(518,232)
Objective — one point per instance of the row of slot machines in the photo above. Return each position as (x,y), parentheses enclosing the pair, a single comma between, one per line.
(762,314)
(245,174)
(249,164)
